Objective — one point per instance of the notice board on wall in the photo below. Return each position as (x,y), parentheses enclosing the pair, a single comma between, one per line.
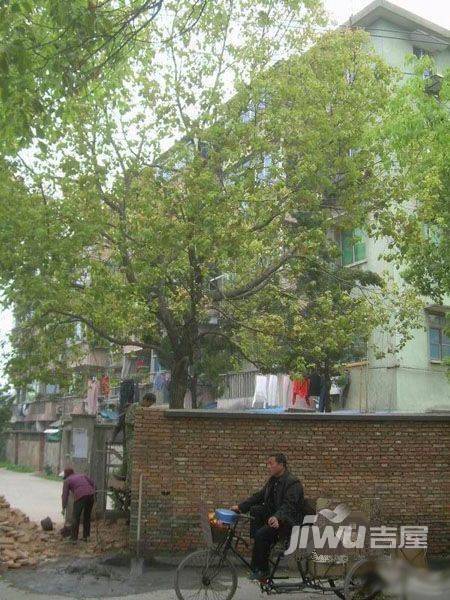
(80,443)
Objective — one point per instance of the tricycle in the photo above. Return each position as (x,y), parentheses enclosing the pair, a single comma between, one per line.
(212,573)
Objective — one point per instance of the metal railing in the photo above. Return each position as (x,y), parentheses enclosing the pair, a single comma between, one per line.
(240,384)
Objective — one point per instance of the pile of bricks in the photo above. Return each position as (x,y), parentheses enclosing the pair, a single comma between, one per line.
(24,544)
(21,542)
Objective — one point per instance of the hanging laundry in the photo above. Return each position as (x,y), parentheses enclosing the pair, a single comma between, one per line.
(300,389)
(272,390)
(104,386)
(160,381)
(315,384)
(300,397)
(260,393)
(284,390)
(126,394)
(92,396)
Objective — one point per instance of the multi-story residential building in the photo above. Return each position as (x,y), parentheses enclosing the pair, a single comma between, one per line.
(416,378)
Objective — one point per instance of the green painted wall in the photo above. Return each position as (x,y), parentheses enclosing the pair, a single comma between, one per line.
(407,382)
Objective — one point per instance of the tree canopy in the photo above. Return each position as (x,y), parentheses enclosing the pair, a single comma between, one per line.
(53,52)
(195,210)
(416,130)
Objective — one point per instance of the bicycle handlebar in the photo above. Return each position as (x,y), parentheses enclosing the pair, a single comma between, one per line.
(242,516)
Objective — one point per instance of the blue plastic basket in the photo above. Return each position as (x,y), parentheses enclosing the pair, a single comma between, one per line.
(226,516)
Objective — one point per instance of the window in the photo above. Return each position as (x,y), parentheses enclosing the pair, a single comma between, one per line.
(357,352)
(252,111)
(420,53)
(432,233)
(439,341)
(264,174)
(350,76)
(353,247)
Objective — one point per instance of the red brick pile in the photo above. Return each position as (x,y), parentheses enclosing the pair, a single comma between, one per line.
(24,544)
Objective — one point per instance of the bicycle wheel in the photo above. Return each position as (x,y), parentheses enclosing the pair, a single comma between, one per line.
(205,575)
(363,582)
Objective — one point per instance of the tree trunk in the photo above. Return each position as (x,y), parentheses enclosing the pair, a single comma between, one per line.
(327,379)
(178,382)
(325,385)
(193,386)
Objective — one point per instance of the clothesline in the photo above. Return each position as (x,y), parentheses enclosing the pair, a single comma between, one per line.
(282,391)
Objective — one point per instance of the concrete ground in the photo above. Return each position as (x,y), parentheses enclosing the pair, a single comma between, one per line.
(111,578)
(246,591)
(36,497)
(39,498)
(108,577)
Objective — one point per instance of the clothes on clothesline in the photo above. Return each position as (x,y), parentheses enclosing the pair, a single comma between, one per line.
(161,381)
(300,388)
(161,387)
(324,396)
(266,391)
(24,409)
(315,384)
(105,386)
(271,390)
(301,394)
(92,396)
(281,391)
(128,393)
(304,393)
(284,390)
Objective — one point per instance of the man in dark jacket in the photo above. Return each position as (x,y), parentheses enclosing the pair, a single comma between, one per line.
(275,508)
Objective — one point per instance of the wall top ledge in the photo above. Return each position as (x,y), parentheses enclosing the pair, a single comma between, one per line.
(305,416)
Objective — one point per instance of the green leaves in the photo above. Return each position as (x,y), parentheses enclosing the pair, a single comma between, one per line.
(156,214)
(416,135)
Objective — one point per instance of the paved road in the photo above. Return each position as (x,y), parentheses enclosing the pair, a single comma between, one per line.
(245,591)
(36,497)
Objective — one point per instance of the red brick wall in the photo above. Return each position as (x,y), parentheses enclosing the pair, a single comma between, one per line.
(186,457)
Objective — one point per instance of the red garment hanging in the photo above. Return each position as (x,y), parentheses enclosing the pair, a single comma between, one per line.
(300,388)
(104,385)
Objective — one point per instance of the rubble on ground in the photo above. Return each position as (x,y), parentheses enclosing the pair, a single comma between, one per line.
(24,544)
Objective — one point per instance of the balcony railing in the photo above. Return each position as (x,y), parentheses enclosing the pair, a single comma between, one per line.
(240,384)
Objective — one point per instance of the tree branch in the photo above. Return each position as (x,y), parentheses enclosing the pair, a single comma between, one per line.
(102,333)
(255,284)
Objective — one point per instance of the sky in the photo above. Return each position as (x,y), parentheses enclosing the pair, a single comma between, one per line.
(437,11)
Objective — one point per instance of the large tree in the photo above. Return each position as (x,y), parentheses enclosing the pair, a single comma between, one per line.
(416,131)
(199,249)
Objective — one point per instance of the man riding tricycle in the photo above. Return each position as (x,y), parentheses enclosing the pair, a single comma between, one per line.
(277,514)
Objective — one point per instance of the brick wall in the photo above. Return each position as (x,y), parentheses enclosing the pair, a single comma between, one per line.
(188,456)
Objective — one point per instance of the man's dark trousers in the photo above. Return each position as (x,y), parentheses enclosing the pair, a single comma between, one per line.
(83,505)
(264,537)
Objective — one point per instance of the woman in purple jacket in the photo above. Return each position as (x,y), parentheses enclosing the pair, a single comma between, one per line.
(83,489)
